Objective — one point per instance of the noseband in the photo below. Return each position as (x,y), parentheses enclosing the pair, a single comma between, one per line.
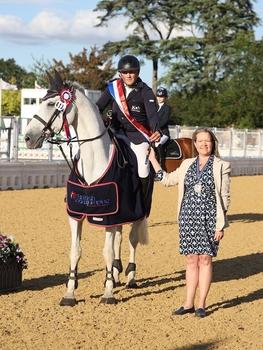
(47,125)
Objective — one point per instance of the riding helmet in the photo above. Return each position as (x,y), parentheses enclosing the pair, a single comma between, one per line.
(161,92)
(128,63)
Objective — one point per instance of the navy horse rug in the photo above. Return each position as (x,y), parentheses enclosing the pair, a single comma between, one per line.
(116,198)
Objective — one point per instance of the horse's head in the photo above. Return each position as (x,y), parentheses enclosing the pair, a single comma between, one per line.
(53,113)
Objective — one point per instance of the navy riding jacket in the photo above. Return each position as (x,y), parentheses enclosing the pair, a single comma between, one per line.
(164,114)
(142,106)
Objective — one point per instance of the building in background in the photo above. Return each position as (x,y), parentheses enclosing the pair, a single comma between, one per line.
(32,98)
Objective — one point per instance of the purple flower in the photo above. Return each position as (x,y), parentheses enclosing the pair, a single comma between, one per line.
(10,251)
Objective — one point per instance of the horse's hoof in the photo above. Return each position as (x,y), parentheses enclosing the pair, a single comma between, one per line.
(132,286)
(68,302)
(111,301)
(117,284)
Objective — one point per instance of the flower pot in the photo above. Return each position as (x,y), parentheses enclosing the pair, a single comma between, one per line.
(10,276)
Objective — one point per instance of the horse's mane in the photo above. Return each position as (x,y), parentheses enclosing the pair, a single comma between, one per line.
(81,88)
(76,85)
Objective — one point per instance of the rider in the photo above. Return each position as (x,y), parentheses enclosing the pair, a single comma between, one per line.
(164,111)
(134,112)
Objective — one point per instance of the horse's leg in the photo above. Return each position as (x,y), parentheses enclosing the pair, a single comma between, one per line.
(117,263)
(108,254)
(138,234)
(75,254)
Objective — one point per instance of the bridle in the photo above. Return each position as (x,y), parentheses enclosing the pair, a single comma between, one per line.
(47,125)
(66,98)
(61,107)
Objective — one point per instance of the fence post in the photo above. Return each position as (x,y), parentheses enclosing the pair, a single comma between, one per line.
(260,143)
(245,143)
(15,139)
(9,143)
(50,152)
(178,131)
(230,141)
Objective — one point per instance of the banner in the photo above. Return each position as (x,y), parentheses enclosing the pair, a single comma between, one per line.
(7,86)
(37,86)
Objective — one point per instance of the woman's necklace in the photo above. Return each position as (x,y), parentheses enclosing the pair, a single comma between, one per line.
(199,172)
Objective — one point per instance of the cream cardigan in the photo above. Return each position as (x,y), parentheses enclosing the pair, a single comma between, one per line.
(222,187)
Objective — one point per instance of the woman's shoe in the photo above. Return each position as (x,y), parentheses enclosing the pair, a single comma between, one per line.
(200,313)
(183,311)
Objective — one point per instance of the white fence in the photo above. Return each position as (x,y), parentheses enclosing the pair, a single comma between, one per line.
(232,142)
(21,168)
(28,175)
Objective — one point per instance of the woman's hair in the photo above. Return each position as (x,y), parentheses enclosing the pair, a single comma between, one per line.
(213,138)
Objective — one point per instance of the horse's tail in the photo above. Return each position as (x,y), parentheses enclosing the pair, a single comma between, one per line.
(143,234)
(139,232)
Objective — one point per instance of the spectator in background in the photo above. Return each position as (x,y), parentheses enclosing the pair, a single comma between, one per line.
(164,111)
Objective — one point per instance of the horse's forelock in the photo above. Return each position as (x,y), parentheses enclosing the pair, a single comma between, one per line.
(55,90)
(50,94)
(57,86)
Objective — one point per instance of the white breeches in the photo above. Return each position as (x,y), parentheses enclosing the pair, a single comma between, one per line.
(140,152)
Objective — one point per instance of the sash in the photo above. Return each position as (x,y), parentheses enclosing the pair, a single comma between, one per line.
(116,90)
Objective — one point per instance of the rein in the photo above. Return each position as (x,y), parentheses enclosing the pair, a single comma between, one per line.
(47,126)
(66,97)
(69,143)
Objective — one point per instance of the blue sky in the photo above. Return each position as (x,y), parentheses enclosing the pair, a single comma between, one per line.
(52,28)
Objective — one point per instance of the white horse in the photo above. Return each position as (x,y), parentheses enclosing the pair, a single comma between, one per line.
(66,104)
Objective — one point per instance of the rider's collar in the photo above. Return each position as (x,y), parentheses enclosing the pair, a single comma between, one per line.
(134,86)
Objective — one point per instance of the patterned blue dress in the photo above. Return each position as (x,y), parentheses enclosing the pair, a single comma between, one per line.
(197,218)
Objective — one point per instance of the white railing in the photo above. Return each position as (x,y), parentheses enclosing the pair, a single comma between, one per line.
(21,168)
(232,142)
(29,175)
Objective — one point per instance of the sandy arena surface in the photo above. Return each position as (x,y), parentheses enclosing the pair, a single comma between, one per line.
(32,318)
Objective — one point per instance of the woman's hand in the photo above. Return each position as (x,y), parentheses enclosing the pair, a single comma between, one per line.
(219,235)
(150,152)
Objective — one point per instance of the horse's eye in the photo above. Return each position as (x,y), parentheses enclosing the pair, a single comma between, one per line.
(51,104)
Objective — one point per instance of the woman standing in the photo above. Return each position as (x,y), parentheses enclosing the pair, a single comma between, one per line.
(203,199)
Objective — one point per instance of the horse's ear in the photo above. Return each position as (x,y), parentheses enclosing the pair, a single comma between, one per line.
(52,81)
(59,81)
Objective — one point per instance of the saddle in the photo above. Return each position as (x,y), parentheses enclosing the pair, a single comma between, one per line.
(172,150)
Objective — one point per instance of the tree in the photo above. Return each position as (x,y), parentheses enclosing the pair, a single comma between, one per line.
(11,102)
(200,61)
(241,94)
(199,109)
(39,69)
(194,61)
(92,70)
(15,75)
(151,19)
(11,72)
(235,101)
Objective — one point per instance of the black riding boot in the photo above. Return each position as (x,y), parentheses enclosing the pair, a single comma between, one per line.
(145,182)
(160,155)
